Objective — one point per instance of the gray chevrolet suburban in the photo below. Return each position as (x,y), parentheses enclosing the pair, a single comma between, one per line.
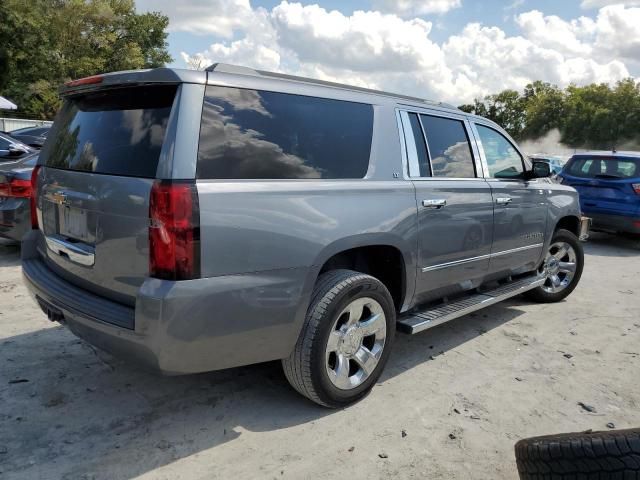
(194,221)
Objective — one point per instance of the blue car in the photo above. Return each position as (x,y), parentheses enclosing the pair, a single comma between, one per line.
(609,188)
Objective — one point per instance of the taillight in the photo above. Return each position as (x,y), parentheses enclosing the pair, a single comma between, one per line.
(636,187)
(174,231)
(16,188)
(32,194)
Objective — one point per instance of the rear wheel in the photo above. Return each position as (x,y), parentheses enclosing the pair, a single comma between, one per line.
(345,341)
(562,268)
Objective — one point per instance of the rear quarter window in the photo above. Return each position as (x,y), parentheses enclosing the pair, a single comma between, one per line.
(117,132)
(252,134)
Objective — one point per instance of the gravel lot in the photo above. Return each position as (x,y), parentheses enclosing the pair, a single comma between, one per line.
(451,403)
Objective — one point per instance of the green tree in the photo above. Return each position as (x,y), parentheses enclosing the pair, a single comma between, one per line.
(588,119)
(478,108)
(592,116)
(44,43)
(544,109)
(505,108)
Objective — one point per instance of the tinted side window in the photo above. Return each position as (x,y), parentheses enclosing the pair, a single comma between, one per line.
(251,134)
(449,147)
(605,167)
(502,158)
(421,146)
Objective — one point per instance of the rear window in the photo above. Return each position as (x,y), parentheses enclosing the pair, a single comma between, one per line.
(117,132)
(592,167)
(35,131)
(251,134)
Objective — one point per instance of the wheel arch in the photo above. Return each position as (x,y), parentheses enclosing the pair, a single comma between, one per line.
(570,223)
(372,254)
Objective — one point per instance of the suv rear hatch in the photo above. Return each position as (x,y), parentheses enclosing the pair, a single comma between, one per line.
(606,184)
(100,162)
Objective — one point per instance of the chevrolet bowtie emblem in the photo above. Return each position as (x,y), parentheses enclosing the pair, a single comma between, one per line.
(59,198)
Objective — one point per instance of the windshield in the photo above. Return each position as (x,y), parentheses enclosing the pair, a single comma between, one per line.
(605,167)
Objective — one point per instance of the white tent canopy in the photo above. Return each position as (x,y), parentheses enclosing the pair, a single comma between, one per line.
(7,105)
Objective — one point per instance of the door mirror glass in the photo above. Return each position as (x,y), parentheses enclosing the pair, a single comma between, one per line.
(540,169)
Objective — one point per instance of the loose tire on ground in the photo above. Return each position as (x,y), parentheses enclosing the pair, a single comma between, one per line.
(545,293)
(306,368)
(572,456)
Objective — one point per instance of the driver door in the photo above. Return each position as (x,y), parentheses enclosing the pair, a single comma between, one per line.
(520,204)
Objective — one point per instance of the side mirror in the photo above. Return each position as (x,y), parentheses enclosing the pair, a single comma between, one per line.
(540,170)
(16,151)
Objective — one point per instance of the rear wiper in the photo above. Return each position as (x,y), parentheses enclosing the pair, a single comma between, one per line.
(607,175)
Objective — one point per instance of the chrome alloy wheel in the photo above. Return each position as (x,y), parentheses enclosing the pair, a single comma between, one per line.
(559,267)
(356,343)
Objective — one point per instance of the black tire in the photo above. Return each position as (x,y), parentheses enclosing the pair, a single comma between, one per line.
(596,455)
(305,368)
(539,294)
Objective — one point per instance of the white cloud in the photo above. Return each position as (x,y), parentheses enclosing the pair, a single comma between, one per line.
(515,5)
(390,52)
(617,33)
(363,41)
(603,3)
(202,17)
(416,7)
(614,34)
(557,34)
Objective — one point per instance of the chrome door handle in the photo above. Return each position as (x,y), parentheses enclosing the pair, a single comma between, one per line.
(504,200)
(435,204)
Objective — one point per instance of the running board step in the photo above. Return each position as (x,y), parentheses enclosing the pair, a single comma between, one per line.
(419,321)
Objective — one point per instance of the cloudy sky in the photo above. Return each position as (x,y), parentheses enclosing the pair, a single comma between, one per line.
(449,50)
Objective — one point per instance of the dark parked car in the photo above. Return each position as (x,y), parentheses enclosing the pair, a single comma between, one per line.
(12,149)
(15,197)
(609,187)
(32,136)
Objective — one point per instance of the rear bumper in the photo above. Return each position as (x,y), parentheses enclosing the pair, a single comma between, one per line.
(615,223)
(182,327)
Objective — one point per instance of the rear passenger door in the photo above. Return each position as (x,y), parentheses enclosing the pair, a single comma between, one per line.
(455,206)
(520,204)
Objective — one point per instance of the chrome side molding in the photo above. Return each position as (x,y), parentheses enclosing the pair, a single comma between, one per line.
(481,257)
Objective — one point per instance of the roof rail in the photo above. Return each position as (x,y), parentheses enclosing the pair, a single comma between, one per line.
(235,69)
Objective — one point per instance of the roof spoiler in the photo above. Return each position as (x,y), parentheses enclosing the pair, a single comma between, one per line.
(131,78)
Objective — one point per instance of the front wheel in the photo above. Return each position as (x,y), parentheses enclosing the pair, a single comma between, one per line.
(345,341)
(562,268)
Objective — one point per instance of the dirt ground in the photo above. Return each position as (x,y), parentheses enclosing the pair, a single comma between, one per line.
(450,405)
